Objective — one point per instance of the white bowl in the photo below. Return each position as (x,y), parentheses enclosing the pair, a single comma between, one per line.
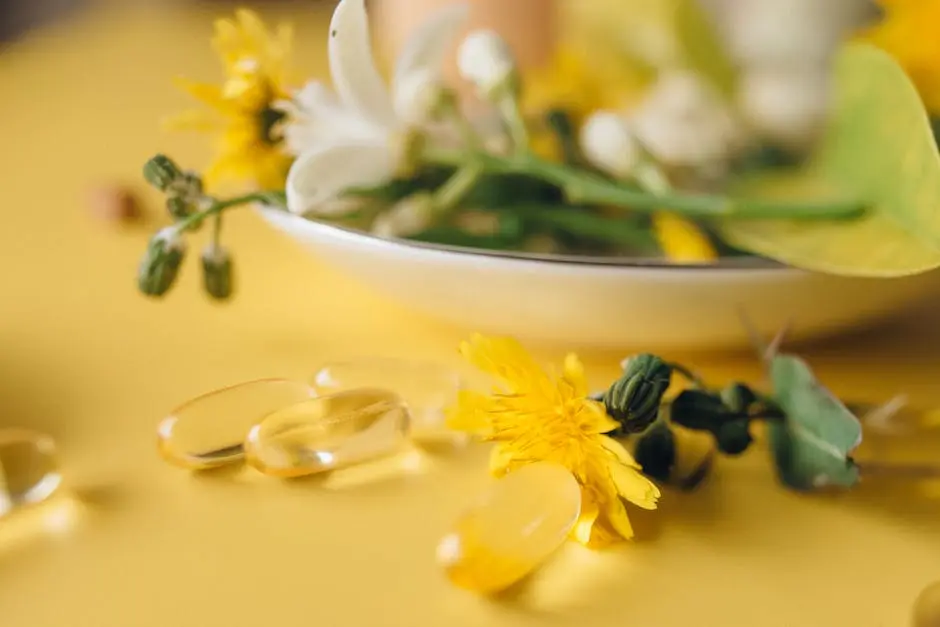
(606,303)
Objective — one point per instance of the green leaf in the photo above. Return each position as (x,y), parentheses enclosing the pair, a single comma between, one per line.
(879,148)
(812,446)
(703,49)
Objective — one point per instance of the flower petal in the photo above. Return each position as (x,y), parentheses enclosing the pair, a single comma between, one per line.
(594,419)
(622,454)
(634,486)
(352,66)
(318,176)
(501,458)
(507,360)
(430,43)
(584,528)
(316,117)
(617,519)
(470,414)
(573,373)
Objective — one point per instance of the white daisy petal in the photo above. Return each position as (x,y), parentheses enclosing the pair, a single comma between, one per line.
(429,45)
(355,77)
(316,117)
(318,176)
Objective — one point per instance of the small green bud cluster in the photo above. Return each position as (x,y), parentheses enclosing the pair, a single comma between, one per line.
(183,189)
(188,206)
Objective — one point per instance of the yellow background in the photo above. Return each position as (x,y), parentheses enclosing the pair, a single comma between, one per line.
(85,358)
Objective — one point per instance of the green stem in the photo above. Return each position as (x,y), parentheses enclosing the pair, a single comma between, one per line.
(587,224)
(509,107)
(449,108)
(693,378)
(585,188)
(457,187)
(216,230)
(218,206)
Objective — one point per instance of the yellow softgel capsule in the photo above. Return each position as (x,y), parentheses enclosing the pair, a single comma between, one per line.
(29,469)
(209,431)
(426,387)
(328,433)
(513,529)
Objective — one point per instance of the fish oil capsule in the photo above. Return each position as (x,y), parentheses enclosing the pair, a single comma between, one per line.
(927,607)
(514,528)
(209,431)
(427,389)
(29,469)
(328,433)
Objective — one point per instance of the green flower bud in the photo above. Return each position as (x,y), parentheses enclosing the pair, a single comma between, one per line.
(161,172)
(191,184)
(699,410)
(634,399)
(217,272)
(738,397)
(655,452)
(734,437)
(178,207)
(161,263)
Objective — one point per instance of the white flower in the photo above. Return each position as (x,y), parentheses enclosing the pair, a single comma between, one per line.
(684,121)
(484,59)
(354,138)
(788,105)
(607,142)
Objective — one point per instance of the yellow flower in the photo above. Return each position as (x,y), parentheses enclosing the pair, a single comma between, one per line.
(908,33)
(534,417)
(682,240)
(577,86)
(244,120)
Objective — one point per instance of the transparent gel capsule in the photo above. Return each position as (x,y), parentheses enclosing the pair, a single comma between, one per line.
(209,431)
(328,433)
(29,470)
(427,388)
(927,607)
(513,529)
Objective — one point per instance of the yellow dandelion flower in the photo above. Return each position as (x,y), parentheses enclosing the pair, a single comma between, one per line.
(534,417)
(242,114)
(908,33)
(682,240)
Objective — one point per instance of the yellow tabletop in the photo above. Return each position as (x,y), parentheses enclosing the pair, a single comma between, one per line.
(87,359)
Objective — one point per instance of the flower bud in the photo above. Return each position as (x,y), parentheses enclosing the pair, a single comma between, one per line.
(217,272)
(161,262)
(738,397)
(655,452)
(408,217)
(608,143)
(484,59)
(734,436)
(699,410)
(634,399)
(191,184)
(178,208)
(162,172)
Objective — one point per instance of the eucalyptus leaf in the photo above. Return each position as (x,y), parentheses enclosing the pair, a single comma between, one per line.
(879,148)
(812,445)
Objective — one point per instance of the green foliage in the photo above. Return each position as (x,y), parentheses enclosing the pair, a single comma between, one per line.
(812,446)
(879,148)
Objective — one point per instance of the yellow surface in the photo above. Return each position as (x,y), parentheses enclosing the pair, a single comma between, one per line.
(85,358)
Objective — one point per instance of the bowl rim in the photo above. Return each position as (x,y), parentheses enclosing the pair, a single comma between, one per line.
(746,262)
